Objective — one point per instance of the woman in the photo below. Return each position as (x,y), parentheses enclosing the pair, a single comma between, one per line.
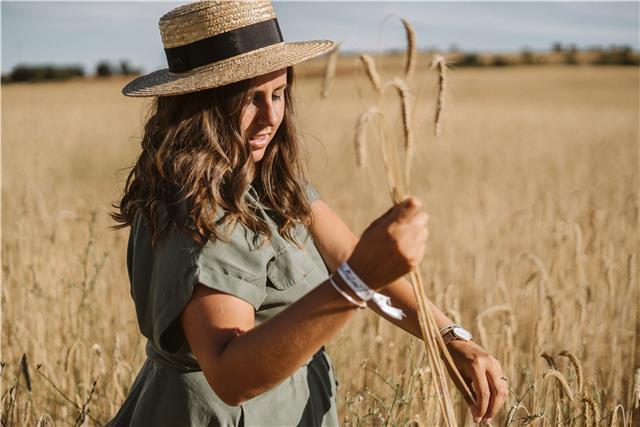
(231,249)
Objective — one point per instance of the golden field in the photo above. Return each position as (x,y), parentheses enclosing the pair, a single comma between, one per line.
(532,193)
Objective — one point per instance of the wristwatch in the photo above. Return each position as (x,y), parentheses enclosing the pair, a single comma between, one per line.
(455,332)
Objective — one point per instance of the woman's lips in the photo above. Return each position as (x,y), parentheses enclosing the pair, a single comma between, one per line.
(259,141)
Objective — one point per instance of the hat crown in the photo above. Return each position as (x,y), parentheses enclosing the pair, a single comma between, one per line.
(201,19)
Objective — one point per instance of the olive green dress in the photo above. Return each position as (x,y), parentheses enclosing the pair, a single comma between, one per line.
(170,389)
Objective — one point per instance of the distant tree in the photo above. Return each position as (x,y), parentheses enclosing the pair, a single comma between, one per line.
(49,73)
(499,61)
(26,73)
(70,71)
(556,47)
(617,55)
(22,73)
(103,69)
(526,57)
(124,67)
(571,55)
(468,59)
(625,56)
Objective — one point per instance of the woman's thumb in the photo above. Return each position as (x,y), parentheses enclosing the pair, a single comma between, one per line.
(407,208)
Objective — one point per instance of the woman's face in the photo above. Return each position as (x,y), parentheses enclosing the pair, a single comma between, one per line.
(262,116)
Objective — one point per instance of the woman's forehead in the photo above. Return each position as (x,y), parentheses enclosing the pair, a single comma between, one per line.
(272,81)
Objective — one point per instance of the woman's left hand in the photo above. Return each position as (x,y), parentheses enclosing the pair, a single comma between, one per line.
(484,377)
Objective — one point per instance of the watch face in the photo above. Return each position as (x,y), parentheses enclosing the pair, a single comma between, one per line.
(461,333)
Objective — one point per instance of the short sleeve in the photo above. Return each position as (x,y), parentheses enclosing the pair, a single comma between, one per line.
(311,192)
(237,267)
(163,278)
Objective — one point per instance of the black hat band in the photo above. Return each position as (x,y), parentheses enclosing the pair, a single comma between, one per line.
(222,46)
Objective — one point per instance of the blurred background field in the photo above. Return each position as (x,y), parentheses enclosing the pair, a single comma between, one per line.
(532,193)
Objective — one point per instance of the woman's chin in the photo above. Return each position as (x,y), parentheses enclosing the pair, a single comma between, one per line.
(257,154)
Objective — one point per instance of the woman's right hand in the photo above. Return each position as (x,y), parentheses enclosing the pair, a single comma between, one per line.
(392,245)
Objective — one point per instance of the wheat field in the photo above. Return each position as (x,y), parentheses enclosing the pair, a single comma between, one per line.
(532,193)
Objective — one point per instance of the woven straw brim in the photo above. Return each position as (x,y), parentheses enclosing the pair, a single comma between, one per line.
(241,67)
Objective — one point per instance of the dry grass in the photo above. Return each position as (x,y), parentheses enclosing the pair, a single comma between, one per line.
(532,186)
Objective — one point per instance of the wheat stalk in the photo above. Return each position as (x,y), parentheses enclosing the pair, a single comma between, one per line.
(44,420)
(614,416)
(561,380)
(412,51)
(405,96)
(559,422)
(439,62)
(330,70)
(635,407)
(502,308)
(434,345)
(361,135)
(632,272)
(549,359)
(403,92)
(578,368)
(591,411)
(372,72)
(361,143)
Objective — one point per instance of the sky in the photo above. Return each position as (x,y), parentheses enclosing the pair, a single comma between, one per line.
(84,33)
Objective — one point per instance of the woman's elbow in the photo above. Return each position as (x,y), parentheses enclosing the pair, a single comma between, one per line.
(232,400)
(232,389)
(221,387)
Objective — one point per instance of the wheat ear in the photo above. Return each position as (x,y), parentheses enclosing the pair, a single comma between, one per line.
(592,409)
(412,51)
(549,359)
(578,368)
(438,62)
(372,72)
(561,380)
(405,104)
(361,135)
(330,70)
(502,308)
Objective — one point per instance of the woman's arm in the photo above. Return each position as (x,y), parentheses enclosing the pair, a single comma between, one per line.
(241,361)
(336,242)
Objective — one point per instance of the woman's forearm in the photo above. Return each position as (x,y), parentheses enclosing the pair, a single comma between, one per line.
(264,356)
(402,296)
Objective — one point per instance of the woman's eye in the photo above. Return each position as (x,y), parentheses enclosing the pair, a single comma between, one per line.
(276,97)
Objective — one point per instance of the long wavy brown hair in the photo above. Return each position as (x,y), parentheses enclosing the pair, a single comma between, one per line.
(195,157)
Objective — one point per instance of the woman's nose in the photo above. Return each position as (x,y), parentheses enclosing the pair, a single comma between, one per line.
(267,114)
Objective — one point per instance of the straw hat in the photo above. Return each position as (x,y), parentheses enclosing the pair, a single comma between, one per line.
(212,43)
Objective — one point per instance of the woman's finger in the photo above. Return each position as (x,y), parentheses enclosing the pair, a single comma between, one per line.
(499,390)
(481,388)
